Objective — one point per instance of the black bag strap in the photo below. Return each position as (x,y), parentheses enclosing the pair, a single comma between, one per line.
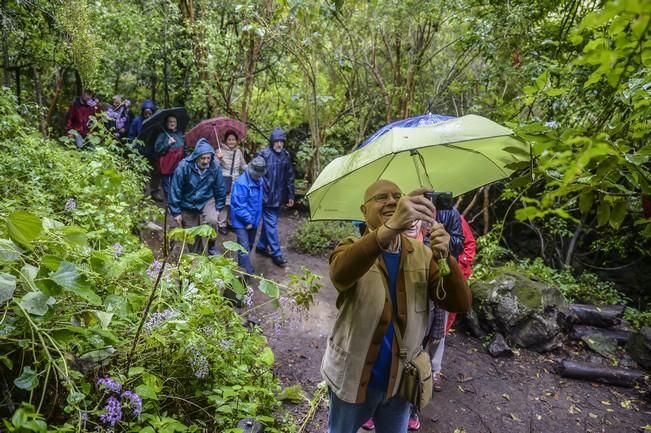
(233,161)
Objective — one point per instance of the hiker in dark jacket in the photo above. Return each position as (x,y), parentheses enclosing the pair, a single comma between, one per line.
(279,191)
(198,193)
(148,108)
(170,149)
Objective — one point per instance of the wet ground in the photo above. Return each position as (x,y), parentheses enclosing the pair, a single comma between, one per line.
(480,393)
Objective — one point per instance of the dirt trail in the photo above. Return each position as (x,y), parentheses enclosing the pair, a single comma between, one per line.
(480,393)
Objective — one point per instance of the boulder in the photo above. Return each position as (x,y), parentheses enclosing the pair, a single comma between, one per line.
(499,348)
(527,312)
(639,347)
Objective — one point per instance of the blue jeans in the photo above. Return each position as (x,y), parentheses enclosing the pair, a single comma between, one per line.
(269,234)
(390,416)
(167,182)
(245,238)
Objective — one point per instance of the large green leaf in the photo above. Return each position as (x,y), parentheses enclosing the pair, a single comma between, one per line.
(28,379)
(68,277)
(269,288)
(36,303)
(7,287)
(24,227)
(9,252)
(234,246)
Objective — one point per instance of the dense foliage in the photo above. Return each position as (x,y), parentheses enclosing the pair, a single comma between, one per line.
(94,333)
(318,237)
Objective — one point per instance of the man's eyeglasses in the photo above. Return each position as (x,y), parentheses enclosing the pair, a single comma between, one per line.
(384,197)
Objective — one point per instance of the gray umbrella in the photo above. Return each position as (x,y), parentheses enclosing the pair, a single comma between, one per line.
(155,124)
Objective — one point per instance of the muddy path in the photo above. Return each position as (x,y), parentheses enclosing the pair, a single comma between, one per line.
(480,394)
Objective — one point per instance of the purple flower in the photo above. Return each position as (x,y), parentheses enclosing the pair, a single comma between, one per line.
(248,299)
(199,363)
(117,250)
(110,384)
(71,204)
(134,403)
(112,411)
(154,269)
(157,319)
(83,415)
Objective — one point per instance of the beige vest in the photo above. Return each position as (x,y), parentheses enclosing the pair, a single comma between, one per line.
(360,310)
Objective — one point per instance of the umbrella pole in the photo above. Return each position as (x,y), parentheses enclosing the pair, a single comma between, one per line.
(421,171)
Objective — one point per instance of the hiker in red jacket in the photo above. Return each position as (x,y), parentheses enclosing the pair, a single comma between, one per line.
(78,116)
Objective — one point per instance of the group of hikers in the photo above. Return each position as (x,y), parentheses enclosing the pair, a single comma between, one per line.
(205,185)
(400,282)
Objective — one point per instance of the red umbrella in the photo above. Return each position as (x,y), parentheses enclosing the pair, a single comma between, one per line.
(213,130)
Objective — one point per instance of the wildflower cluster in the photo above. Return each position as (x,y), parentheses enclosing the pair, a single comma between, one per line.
(154,268)
(248,299)
(71,204)
(199,363)
(117,249)
(157,319)
(116,402)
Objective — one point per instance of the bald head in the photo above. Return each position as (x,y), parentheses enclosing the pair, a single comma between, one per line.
(379,185)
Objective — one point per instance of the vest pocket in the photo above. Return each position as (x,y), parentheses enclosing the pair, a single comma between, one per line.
(421,300)
(334,363)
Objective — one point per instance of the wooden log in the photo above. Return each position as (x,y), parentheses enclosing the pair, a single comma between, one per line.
(595,373)
(579,331)
(602,316)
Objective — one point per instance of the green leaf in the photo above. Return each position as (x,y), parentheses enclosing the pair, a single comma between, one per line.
(603,213)
(292,393)
(24,227)
(75,237)
(267,357)
(617,214)
(135,371)
(269,288)
(586,199)
(9,252)
(528,212)
(146,392)
(68,277)
(28,379)
(234,246)
(36,303)
(7,287)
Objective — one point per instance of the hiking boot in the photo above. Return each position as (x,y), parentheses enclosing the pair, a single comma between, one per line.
(223,231)
(279,261)
(213,251)
(437,382)
(262,252)
(414,423)
(369,425)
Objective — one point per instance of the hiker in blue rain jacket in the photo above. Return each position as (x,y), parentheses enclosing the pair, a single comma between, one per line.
(198,193)
(246,208)
(279,191)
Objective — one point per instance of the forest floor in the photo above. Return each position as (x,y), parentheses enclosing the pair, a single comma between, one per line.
(480,393)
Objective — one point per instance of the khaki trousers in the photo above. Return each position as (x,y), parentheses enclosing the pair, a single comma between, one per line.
(208,215)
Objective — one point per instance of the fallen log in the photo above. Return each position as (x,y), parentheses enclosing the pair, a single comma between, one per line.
(602,316)
(580,331)
(595,373)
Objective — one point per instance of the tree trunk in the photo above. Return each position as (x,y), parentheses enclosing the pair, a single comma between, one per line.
(79,85)
(38,93)
(595,373)
(58,86)
(5,49)
(579,331)
(18,89)
(486,209)
(602,316)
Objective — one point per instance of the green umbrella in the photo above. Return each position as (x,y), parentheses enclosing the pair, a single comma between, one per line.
(457,155)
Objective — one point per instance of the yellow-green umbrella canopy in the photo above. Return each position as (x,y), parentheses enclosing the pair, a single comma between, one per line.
(457,155)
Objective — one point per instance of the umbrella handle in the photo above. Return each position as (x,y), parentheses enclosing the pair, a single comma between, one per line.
(219,145)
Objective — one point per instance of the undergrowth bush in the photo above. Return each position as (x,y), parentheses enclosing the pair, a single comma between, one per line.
(97,335)
(318,237)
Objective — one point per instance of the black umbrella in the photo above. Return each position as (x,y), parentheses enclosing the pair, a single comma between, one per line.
(155,124)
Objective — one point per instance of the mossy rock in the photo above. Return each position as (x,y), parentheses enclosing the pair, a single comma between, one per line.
(528,312)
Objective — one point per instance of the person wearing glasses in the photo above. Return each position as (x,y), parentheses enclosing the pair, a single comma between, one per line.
(361,365)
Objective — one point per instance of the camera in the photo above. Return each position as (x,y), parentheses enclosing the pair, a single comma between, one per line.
(442,200)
